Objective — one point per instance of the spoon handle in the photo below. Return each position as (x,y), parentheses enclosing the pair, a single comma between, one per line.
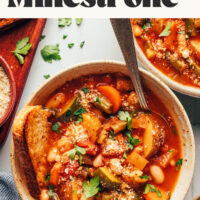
(123,32)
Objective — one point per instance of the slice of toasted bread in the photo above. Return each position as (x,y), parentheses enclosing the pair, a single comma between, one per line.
(30,135)
(37,130)
(21,150)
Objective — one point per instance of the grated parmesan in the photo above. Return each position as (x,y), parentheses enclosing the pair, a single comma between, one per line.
(5,92)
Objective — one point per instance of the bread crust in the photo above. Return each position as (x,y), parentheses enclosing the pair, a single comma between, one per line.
(21,150)
(30,135)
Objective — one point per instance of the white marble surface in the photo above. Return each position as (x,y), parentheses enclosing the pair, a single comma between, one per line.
(100,44)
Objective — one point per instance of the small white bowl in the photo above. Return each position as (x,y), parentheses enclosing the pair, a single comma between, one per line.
(184,89)
(159,89)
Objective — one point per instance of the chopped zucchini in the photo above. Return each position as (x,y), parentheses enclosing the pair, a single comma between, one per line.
(103,104)
(72,106)
(189,27)
(107,179)
(178,64)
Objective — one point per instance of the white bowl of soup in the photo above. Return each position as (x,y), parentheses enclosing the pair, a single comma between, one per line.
(170,49)
(83,135)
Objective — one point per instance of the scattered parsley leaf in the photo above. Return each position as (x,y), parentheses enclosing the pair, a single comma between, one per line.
(77,151)
(50,191)
(79,120)
(131,140)
(124,115)
(55,127)
(47,179)
(98,100)
(78,21)
(70,45)
(82,44)
(147,189)
(60,131)
(91,188)
(166,31)
(22,48)
(125,155)
(182,32)
(62,22)
(179,163)
(42,37)
(50,53)
(85,90)
(111,134)
(79,112)
(65,36)
(144,177)
(46,76)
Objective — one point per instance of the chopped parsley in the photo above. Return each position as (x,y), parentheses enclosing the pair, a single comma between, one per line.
(47,179)
(179,163)
(65,36)
(80,111)
(148,24)
(50,53)
(166,31)
(46,76)
(42,37)
(62,22)
(22,48)
(70,45)
(78,21)
(131,140)
(125,116)
(152,188)
(111,134)
(144,177)
(98,100)
(82,44)
(85,90)
(50,191)
(91,188)
(55,127)
(79,120)
(182,32)
(125,155)
(77,151)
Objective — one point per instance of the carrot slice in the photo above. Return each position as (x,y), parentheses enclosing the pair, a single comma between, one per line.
(111,94)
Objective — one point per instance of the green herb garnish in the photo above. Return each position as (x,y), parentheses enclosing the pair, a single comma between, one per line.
(50,53)
(65,36)
(70,45)
(47,179)
(78,21)
(131,140)
(42,37)
(85,90)
(98,100)
(82,44)
(144,177)
(79,112)
(55,127)
(179,163)
(91,188)
(166,31)
(152,188)
(77,151)
(50,191)
(62,22)
(22,48)
(46,76)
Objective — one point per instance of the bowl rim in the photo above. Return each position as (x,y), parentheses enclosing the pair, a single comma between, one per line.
(9,73)
(179,87)
(117,63)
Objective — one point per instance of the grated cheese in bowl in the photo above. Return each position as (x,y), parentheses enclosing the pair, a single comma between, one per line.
(5,92)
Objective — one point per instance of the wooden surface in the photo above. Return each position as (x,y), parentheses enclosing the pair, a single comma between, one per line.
(32,28)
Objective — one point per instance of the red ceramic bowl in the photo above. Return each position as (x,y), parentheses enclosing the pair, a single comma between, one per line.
(9,73)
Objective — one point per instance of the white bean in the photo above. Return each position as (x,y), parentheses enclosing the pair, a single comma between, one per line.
(98,161)
(53,155)
(157,174)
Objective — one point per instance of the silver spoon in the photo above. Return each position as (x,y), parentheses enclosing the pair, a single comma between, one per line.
(123,32)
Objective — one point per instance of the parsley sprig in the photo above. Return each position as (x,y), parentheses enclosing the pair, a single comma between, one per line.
(22,48)
(152,188)
(77,151)
(91,188)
